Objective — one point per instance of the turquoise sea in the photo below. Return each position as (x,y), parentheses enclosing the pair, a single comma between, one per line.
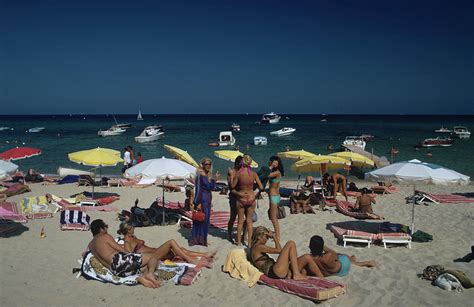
(69,133)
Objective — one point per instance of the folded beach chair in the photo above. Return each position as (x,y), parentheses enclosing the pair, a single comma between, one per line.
(443,198)
(74,220)
(9,211)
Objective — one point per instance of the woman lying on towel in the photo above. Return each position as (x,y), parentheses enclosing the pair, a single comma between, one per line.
(287,263)
(168,250)
(364,204)
(328,261)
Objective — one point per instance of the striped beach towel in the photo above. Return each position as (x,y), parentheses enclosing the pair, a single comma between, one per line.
(74,220)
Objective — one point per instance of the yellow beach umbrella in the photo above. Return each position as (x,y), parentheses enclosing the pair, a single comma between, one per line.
(97,157)
(320,163)
(355,158)
(230,155)
(181,155)
(296,154)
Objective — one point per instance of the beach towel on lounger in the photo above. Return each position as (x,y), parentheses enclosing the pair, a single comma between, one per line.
(36,207)
(74,220)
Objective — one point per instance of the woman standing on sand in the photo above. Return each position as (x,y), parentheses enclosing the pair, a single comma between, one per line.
(205,183)
(274,179)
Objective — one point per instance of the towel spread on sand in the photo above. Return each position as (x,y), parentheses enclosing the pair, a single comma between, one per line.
(237,265)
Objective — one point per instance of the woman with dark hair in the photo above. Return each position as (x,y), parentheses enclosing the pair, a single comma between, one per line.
(231,173)
(274,179)
(327,261)
(205,183)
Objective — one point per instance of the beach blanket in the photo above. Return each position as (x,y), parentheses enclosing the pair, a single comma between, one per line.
(10,228)
(9,211)
(36,207)
(182,273)
(313,288)
(74,220)
(16,188)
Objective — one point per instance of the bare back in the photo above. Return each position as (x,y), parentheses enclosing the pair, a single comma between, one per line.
(104,247)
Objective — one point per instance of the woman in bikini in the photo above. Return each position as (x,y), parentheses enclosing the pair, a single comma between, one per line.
(364,204)
(243,183)
(286,264)
(168,250)
(274,179)
(231,173)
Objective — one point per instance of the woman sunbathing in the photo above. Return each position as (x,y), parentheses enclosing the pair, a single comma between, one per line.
(364,204)
(287,263)
(328,261)
(168,250)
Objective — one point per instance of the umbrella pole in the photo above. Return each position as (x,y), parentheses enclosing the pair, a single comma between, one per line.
(412,230)
(298,184)
(163,186)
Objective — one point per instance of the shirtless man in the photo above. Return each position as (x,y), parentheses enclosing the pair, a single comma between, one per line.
(328,261)
(337,183)
(118,260)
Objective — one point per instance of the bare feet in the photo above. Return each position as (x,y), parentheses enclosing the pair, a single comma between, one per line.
(371,264)
(300,276)
(145,282)
(149,281)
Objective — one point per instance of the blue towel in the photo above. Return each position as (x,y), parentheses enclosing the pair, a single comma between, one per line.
(69,179)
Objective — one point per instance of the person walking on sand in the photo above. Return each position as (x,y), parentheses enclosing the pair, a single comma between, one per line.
(274,178)
(205,183)
(243,183)
(118,260)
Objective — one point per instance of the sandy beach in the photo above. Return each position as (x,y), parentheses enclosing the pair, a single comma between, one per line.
(38,272)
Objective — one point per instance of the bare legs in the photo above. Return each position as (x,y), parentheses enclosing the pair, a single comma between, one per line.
(148,279)
(171,246)
(274,219)
(367,264)
(246,212)
(307,262)
(230,224)
(288,260)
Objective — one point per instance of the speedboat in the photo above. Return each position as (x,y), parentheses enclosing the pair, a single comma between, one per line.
(439,141)
(355,141)
(5,128)
(235,127)
(150,134)
(443,130)
(461,132)
(367,137)
(226,138)
(260,140)
(35,129)
(283,131)
(112,131)
(270,118)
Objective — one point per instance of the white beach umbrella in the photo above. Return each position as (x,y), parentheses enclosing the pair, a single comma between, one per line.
(162,168)
(416,171)
(6,168)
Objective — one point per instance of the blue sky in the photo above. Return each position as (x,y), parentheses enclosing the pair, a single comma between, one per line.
(343,57)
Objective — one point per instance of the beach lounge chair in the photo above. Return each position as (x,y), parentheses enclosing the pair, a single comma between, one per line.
(348,235)
(442,198)
(87,180)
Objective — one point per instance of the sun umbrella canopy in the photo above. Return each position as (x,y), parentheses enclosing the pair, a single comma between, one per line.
(230,155)
(415,171)
(296,154)
(19,153)
(161,168)
(355,158)
(320,163)
(6,168)
(96,157)
(181,155)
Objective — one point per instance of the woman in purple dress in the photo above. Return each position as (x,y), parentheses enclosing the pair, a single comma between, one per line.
(203,201)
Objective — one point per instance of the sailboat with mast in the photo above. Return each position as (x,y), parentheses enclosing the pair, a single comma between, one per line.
(121,125)
(139,117)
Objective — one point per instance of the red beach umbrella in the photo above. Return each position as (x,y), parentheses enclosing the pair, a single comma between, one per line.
(19,153)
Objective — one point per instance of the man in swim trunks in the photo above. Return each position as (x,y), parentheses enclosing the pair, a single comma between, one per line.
(118,260)
(328,261)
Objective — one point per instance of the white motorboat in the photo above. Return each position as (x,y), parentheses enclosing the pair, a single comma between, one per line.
(367,137)
(439,141)
(35,129)
(283,131)
(150,134)
(112,131)
(355,141)
(5,128)
(139,117)
(226,138)
(64,171)
(259,140)
(270,118)
(235,127)
(461,132)
(443,130)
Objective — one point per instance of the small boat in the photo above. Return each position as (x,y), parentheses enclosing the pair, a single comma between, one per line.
(443,130)
(64,171)
(270,118)
(355,141)
(439,141)
(235,127)
(213,144)
(150,134)
(259,140)
(226,138)
(35,129)
(5,128)
(112,131)
(122,125)
(283,131)
(461,132)
(139,117)
(324,120)
(367,137)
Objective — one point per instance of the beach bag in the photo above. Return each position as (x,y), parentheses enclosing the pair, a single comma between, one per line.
(421,236)
(198,216)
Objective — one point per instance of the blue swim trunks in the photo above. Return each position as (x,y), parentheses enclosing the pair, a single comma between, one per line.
(345,265)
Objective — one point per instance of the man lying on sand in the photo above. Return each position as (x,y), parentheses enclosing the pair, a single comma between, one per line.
(118,260)
(328,261)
